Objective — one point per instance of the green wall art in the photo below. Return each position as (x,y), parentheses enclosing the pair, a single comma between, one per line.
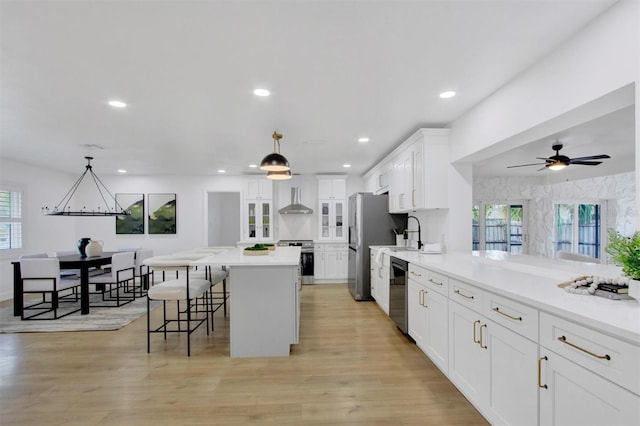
(162,214)
(134,223)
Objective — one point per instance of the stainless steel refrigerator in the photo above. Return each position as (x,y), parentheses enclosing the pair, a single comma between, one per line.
(370,224)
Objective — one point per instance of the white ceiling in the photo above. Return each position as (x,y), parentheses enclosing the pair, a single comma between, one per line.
(337,70)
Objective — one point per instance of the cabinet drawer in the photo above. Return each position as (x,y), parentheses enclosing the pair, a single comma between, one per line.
(430,279)
(513,315)
(318,247)
(610,357)
(466,294)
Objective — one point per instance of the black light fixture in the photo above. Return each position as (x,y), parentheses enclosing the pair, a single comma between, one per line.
(275,162)
(63,208)
(284,175)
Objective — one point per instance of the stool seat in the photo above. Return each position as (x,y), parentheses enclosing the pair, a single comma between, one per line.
(177,289)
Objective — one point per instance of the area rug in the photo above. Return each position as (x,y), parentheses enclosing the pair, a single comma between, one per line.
(98,319)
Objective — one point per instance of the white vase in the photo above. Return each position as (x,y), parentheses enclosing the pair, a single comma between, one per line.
(94,248)
(634,289)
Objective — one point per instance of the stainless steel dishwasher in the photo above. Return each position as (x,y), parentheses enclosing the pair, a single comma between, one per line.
(398,275)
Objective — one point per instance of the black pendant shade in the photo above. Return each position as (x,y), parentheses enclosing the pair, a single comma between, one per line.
(275,162)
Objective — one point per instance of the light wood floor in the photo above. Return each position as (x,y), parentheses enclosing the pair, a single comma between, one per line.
(352,367)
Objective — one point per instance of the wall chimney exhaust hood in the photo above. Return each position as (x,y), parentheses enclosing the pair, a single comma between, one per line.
(295,207)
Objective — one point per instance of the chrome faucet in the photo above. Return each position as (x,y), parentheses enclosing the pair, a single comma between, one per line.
(419,232)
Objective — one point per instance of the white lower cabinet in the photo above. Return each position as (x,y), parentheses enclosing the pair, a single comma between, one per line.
(495,368)
(516,364)
(330,263)
(428,318)
(380,281)
(573,395)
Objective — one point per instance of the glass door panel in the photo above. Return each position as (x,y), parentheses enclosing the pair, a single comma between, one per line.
(324,208)
(266,218)
(339,214)
(252,220)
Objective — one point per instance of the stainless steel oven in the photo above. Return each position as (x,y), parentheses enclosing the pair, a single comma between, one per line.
(306,257)
(398,291)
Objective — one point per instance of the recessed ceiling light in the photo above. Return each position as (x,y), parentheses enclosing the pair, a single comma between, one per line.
(363,140)
(447,94)
(253,166)
(117,104)
(122,171)
(222,171)
(261,92)
(346,166)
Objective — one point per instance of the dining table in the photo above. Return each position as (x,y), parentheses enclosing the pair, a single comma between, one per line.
(74,261)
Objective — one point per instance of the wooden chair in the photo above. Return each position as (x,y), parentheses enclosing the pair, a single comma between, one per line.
(42,275)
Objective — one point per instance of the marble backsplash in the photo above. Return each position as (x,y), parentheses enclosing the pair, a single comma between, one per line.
(618,191)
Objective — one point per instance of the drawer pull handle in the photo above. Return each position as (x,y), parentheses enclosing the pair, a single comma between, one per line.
(564,340)
(540,385)
(431,280)
(474,331)
(421,298)
(416,274)
(464,295)
(482,345)
(507,315)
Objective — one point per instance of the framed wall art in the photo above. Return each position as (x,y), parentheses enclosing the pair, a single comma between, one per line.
(162,214)
(134,223)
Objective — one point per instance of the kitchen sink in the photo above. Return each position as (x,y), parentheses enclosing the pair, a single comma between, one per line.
(396,249)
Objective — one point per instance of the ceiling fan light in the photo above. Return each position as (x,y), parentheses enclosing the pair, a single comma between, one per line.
(558,165)
(274,162)
(283,175)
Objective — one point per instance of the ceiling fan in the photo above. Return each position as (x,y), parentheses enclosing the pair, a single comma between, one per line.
(559,162)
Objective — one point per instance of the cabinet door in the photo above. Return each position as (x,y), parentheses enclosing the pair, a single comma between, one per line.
(266,221)
(373,279)
(343,264)
(318,265)
(325,220)
(417,177)
(339,215)
(259,189)
(259,218)
(468,361)
(436,335)
(331,264)
(416,313)
(383,287)
(513,362)
(332,189)
(571,394)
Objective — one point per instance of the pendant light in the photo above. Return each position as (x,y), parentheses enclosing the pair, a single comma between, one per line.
(279,175)
(63,208)
(275,162)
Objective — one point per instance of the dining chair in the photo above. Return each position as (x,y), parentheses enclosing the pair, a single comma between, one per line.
(41,275)
(143,272)
(187,317)
(118,280)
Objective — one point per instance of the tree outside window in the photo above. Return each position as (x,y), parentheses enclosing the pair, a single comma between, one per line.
(582,235)
(10,219)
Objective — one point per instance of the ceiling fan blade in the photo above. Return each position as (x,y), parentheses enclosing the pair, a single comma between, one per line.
(548,160)
(525,165)
(586,163)
(592,157)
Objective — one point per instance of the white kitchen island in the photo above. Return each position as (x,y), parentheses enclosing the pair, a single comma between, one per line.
(264,300)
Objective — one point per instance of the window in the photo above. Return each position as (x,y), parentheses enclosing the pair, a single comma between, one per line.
(578,228)
(498,227)
(10,219)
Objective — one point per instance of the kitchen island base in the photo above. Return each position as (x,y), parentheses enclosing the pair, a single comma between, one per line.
(264,310)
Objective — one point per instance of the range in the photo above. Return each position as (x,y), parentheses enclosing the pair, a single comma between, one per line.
(306,257)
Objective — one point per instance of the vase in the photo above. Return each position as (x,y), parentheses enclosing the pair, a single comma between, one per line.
(94,248)
(634,289)
(82,244)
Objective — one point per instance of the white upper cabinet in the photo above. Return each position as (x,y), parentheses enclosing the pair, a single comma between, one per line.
(419,174)
(332,189)
(332,194)
(259,189)
(377,179)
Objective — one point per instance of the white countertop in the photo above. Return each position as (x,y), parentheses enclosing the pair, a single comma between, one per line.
(281,256)
(534,280)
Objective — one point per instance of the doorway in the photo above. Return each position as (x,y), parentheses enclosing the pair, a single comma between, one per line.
(223,219)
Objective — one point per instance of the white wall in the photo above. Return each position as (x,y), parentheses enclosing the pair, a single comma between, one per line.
(224,225)
(619,190)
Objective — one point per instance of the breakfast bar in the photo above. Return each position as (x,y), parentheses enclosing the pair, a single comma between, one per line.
(265,300)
